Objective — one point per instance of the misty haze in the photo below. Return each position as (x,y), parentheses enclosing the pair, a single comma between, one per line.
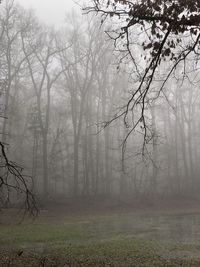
(100,133)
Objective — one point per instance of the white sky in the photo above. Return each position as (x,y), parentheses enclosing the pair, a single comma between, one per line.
(51,11)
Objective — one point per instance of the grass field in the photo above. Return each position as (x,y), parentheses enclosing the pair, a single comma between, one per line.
(140,238)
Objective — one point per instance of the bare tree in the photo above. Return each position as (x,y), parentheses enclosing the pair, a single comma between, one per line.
(15,186)
(166,31)
(42,54)
(12,60)
(79,65)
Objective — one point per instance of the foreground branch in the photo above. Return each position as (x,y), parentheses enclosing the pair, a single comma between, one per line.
(14,184)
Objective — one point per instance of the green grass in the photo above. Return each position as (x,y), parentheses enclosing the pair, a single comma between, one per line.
(139,240)
(171,228)
(39,233)
(126,253)
(118,253)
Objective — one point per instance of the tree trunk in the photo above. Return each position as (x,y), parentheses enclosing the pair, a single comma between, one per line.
(76,165)
(45,165)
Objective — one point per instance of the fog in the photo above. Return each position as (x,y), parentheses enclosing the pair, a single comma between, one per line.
(73,145)
(51,12)
(64,86)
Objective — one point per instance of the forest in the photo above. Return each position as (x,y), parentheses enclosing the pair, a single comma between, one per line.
(60,91)
(97,116)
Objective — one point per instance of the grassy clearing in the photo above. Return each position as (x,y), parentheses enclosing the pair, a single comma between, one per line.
(182,228)
(128,239)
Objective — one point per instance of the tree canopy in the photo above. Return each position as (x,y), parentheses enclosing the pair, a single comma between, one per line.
(167,31)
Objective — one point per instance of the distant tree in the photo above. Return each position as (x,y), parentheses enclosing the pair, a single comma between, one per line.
(14,185)
(163,32)
(43,57)
(79,79)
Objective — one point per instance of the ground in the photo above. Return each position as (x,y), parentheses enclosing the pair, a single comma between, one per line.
(103,234)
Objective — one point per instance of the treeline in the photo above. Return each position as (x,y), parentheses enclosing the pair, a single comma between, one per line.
(60,88)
